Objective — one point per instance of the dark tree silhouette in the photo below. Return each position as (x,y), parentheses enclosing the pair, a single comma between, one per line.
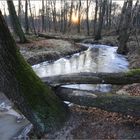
(20,84)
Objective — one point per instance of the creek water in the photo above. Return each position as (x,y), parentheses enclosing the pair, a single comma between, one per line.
(98,58)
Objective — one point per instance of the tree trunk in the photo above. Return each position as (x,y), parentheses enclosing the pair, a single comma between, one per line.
(19,10)
(15,22)
(79,18)
(32,18)
(21,85)
(122,16)
(110,11)
(87,16)
(95,17)
(53,5)
(42,15)
(130,77)
(70,17)
(128,105)
(26,17)
(125,29)
(65,17)
(101,17)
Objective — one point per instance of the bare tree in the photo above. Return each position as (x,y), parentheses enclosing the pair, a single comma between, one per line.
(95,17)
(87,15)
(26,17)
(122,16)
(125,27)
(32,18)
(19,9)
(53,6)
(42,15)
(110,12)
(70,16)
(15,22)
(79,17)
(101,17)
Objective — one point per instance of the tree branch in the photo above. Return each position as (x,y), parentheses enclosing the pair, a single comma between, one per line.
(128,105)
(130,77)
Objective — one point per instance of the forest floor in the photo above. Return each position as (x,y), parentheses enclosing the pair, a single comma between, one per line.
(89,123)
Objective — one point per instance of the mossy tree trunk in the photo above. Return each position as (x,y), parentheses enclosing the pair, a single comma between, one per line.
(15,22)
(125,104)
(122,78)
(21,85)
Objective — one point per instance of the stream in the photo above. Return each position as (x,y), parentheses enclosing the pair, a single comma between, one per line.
(98,58)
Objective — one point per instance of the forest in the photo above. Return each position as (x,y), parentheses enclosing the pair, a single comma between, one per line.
(69,69)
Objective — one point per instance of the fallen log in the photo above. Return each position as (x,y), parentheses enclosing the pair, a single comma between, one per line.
(130,77)
(128,105)
(75,39)
(48,36)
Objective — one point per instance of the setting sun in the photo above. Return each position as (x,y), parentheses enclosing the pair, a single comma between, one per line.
(75,18)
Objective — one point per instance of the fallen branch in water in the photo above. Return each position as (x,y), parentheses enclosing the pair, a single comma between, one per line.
(128,105)
(75,39)
(130,77)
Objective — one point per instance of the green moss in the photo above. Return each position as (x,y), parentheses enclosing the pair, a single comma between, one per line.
(48,110)
(133,72)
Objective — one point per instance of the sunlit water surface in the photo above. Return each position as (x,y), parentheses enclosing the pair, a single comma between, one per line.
(98,58)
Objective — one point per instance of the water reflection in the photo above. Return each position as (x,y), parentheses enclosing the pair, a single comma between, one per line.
(98,58)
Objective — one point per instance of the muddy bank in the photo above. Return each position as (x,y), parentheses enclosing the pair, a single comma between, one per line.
(48,50)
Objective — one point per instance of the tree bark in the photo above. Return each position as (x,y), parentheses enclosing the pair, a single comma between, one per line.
(32,18)
(125,29)
(15,22)
(128,105)
(79,18)
(122,16)
(43,16)
(130,77)
(21,85)
(19,10)
(101,17)
(95,17)
(26,17)
(87,16)
(110,11)
(70,17)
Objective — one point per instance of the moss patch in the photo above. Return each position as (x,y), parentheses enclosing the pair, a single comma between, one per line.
(133,72)
(48,109)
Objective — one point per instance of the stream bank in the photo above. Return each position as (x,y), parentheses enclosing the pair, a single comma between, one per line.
(40,50)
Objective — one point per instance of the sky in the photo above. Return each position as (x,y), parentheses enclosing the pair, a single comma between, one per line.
(38,4)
